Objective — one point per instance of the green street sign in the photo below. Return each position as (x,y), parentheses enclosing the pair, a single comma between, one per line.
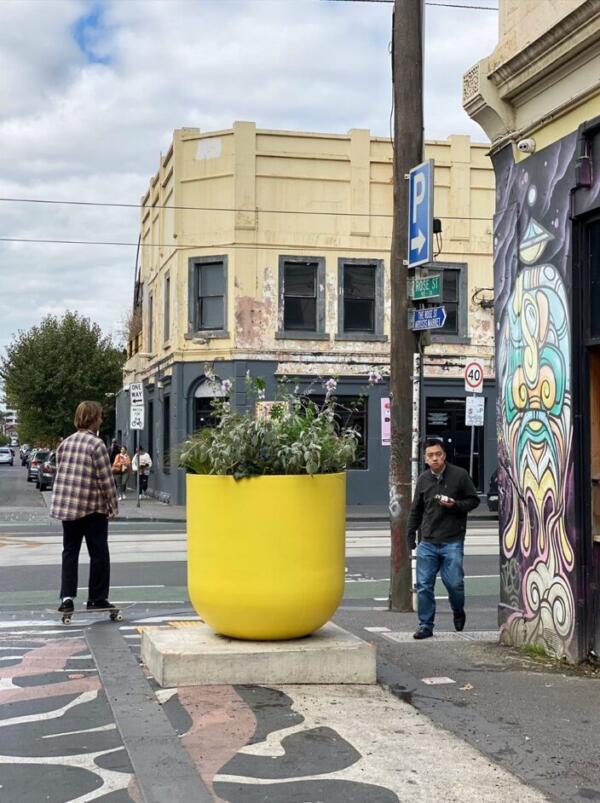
(423,287)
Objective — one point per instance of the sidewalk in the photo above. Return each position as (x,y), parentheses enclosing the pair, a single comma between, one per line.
(80,716)
(152,510)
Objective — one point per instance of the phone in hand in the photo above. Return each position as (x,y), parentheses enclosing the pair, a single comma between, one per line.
(443,498)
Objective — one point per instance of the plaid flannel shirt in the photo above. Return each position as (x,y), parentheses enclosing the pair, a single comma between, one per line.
(84,482)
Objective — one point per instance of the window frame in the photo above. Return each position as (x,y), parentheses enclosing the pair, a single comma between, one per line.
(167,308)
(378,334)
(462,316)
(302,334)
(193,294)
(150,340)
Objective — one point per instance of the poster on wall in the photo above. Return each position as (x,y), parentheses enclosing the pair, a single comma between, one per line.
(386,422)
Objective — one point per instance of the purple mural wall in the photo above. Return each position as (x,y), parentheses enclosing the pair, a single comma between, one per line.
(532,263)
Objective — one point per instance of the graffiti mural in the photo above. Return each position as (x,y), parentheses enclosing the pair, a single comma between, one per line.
(535,432)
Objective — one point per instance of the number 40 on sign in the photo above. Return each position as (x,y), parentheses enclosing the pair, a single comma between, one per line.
(474,376)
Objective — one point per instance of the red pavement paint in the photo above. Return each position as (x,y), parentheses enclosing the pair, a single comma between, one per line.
(134,792)
(222,724)
(41,660)
(52,656)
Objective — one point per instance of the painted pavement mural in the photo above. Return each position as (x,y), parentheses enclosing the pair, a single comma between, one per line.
(57,733)
(537,524)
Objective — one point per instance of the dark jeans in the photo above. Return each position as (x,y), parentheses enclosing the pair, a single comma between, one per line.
(447,559)
(143,483)
(94,528)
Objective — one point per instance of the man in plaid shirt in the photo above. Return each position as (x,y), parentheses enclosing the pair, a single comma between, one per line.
(84,498)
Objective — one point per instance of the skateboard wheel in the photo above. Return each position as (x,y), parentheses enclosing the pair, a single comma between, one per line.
(66,620)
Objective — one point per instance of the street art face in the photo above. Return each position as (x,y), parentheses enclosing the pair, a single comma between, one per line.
(536,422)
(534,402)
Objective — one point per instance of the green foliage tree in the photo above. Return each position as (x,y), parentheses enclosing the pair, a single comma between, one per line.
(50,368)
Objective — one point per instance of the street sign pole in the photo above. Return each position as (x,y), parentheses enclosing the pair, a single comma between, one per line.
(136,423)
(472,449)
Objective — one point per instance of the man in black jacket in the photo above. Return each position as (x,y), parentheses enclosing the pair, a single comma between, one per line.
(443,497)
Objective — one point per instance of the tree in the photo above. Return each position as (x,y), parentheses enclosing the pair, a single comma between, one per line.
(49,369)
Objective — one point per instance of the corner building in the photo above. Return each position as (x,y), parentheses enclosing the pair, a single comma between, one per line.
(537,97)
(268,251)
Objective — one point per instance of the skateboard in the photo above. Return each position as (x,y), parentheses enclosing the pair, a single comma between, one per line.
(115,614)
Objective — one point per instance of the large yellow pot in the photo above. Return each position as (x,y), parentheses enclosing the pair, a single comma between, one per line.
(266,554)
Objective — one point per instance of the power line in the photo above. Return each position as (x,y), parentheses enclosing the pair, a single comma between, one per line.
(119,205)
(427,3)
(182,246)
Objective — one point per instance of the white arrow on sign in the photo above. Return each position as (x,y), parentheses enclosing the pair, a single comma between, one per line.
(417,243)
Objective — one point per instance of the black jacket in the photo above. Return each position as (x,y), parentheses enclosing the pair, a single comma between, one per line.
(434,522)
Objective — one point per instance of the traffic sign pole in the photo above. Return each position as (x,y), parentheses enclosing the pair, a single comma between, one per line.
(474,377)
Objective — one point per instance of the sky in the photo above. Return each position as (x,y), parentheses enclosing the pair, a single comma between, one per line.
(90,93)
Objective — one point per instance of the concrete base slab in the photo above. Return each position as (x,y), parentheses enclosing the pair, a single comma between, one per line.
(197,656)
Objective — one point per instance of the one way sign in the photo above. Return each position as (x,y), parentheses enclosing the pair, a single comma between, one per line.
(420,214)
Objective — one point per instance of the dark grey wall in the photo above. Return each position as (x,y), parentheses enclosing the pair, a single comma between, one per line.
(365,487)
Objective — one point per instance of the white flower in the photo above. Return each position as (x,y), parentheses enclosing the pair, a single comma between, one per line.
(296,390)
(226,385)
(330,385)
(374,377)
(261,395)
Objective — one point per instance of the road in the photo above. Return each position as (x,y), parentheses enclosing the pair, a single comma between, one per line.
(148,558)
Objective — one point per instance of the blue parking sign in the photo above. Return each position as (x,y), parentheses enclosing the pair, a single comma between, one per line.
(420,214)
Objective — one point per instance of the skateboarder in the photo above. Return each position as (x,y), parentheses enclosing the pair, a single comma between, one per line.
(84,499)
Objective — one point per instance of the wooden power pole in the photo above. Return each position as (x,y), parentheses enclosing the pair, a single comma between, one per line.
(407,76)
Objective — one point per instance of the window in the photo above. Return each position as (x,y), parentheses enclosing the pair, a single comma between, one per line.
(454,299)
(167,308)
(450,300)
(150,322)
(302,297)
(203,412)
(150,430)
(360,308)
(208,294)
(352,412)
(594,273)
(166,432)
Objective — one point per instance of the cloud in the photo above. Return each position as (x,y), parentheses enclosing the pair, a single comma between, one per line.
(92,91)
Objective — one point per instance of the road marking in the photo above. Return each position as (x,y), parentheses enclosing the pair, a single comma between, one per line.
(441,635)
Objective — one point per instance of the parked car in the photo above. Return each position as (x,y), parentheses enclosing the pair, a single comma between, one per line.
(23,452)
(37,458)
(46,472)
(6,456)
(492,494)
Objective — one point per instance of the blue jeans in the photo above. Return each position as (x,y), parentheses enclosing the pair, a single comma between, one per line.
(447,559)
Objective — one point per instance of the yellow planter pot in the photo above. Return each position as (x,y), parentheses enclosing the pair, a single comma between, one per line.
(266,554)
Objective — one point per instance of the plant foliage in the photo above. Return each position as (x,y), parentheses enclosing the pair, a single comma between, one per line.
(296,436)
(50,368)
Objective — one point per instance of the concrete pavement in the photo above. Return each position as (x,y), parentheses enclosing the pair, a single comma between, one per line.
(69,732)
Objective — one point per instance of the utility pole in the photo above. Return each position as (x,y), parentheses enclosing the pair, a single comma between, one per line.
(407,76)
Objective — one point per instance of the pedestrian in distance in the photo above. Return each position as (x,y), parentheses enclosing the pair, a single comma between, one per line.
(444,495)
(84,498)
(121,467)
(141,464)
(115,449)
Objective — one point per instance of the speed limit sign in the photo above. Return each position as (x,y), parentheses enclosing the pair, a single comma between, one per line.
(474,376)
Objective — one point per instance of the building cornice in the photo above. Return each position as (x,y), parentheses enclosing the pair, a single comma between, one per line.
(570,38)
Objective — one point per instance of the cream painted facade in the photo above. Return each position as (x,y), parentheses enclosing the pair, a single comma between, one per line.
(542,84)
(254,197)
